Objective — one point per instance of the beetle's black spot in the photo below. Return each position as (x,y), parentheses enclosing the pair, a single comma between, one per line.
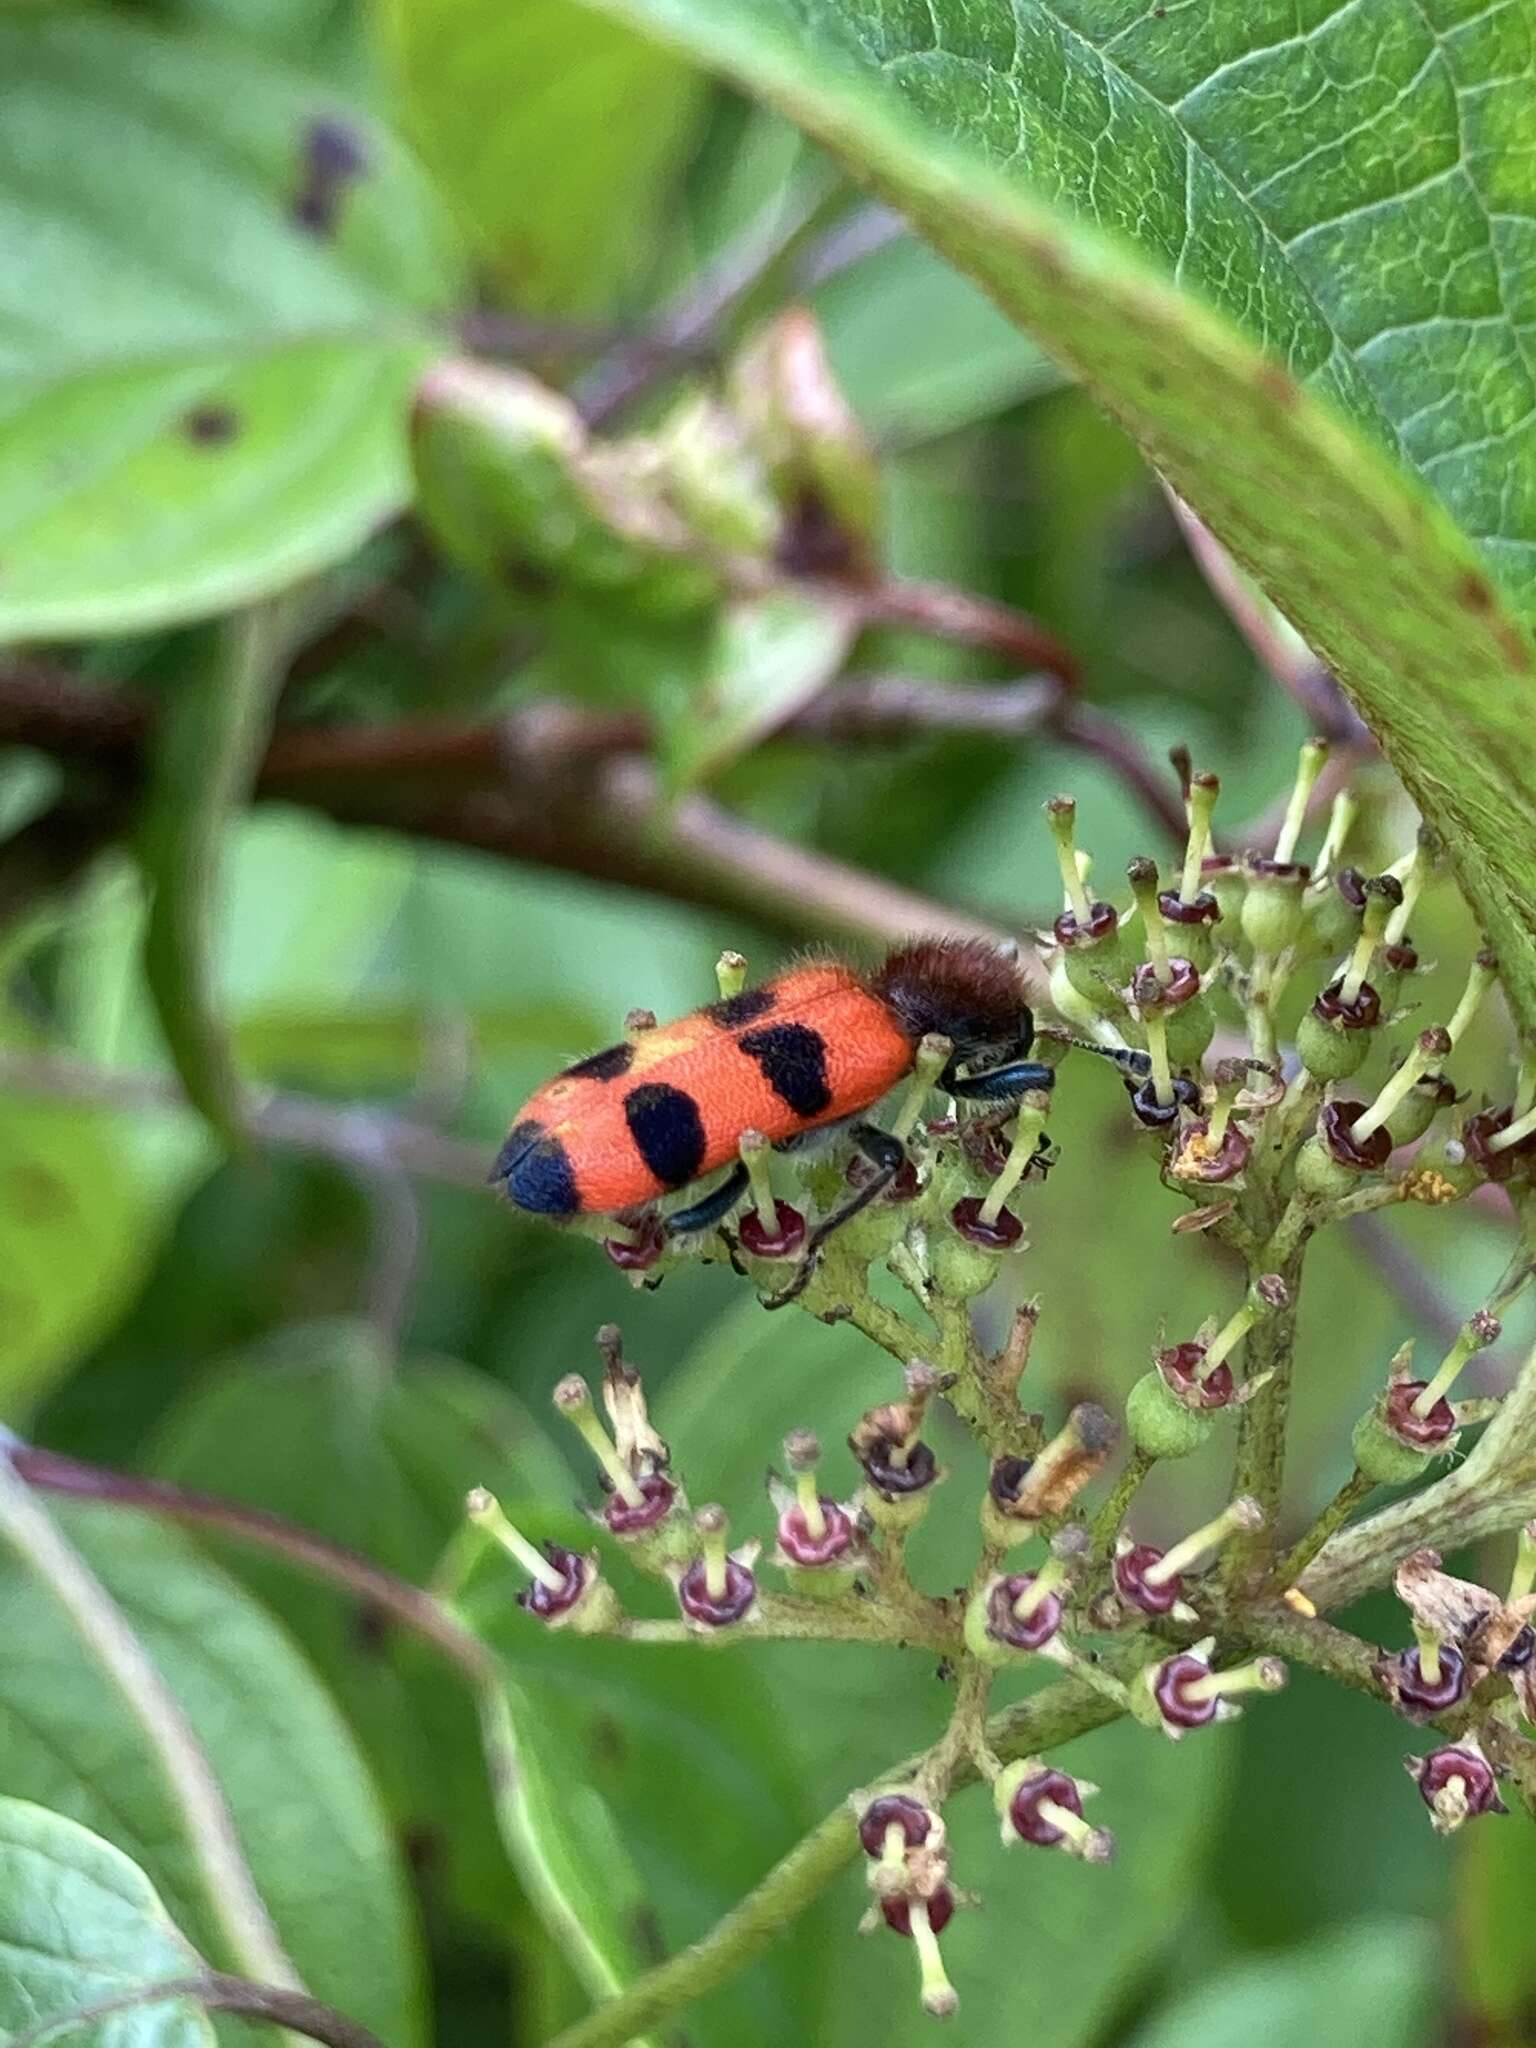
(793,1058)
(608,1065)
(535,1170)
(210,426)
(334,158)
(668,1131)
(746,1008)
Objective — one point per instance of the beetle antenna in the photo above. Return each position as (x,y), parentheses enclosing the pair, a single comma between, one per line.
(1125,1057)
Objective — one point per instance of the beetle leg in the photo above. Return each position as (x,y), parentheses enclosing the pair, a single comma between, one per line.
(887,1155)
(1000,1084)
(708,1210)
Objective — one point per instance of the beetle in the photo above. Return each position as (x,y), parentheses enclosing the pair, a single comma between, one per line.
(816,1046)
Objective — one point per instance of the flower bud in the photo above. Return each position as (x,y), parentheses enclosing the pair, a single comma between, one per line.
(718,1589)
(566,1590)
(1456,1784)
(1044,1807)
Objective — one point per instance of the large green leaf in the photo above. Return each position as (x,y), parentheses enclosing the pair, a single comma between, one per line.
(1257,270)
(81,1925)
(306,1814)
(207,337)
(1371,1982)
(556,137)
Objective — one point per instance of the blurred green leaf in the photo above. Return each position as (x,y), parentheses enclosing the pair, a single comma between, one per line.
(211,732)
(556,137)
(1017,141)
(76,1236)
(80,1924)
(654,1789)
(220,281)
(919,349)
(1495,1865)
(308,1818)
(765,658)
(1376,1982)
(322,1427)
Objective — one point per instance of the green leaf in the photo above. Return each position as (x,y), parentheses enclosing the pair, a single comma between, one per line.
(1372,1982)
(1282,326)
(76,1237)
(206,348)
(209,737)
(80,1924)
(557,137)
(1495,1892)
(919,350)
(307,1816)
(765,657)
(376,1454)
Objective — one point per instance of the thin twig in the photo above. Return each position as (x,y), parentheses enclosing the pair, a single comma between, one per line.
(215,1991)
(357,1576)
(690,324)
(195,1791)
(362,1138)
(1094,732)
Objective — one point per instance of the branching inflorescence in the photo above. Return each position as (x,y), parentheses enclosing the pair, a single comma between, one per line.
(1269,1146)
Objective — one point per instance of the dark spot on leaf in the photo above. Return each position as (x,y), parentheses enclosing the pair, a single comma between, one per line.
(610,1744)
(1278,385)
(528,579)
(423,1845)
(1514,649)
(1474,592)
(210,426)
(334,158)
(38,1194)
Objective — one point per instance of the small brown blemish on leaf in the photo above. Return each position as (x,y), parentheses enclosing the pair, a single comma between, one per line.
(210,426)
(36,1194)
(1512,646)
(371,1629)
(1475,592)
(610,1745)
(1278,385)
(334,158)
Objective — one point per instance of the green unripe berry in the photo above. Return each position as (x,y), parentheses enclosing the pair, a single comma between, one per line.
(1319,1173)
(1096,972)
(1331,1052)
(1160,1424)
(1272,907)
(1190,1029)
(1384,1458)
(961,1269)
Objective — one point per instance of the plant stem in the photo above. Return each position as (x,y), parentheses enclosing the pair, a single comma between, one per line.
(410,1606)
(1333,1517)
(795,1882)
(1106,1523)
(1260,1466)
(233,1898)
(215,1992)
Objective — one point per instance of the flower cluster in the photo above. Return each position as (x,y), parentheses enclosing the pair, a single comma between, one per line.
(1264,1011)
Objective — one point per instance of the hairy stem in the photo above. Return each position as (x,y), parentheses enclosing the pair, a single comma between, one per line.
(1333,1517)
(1260,1465)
